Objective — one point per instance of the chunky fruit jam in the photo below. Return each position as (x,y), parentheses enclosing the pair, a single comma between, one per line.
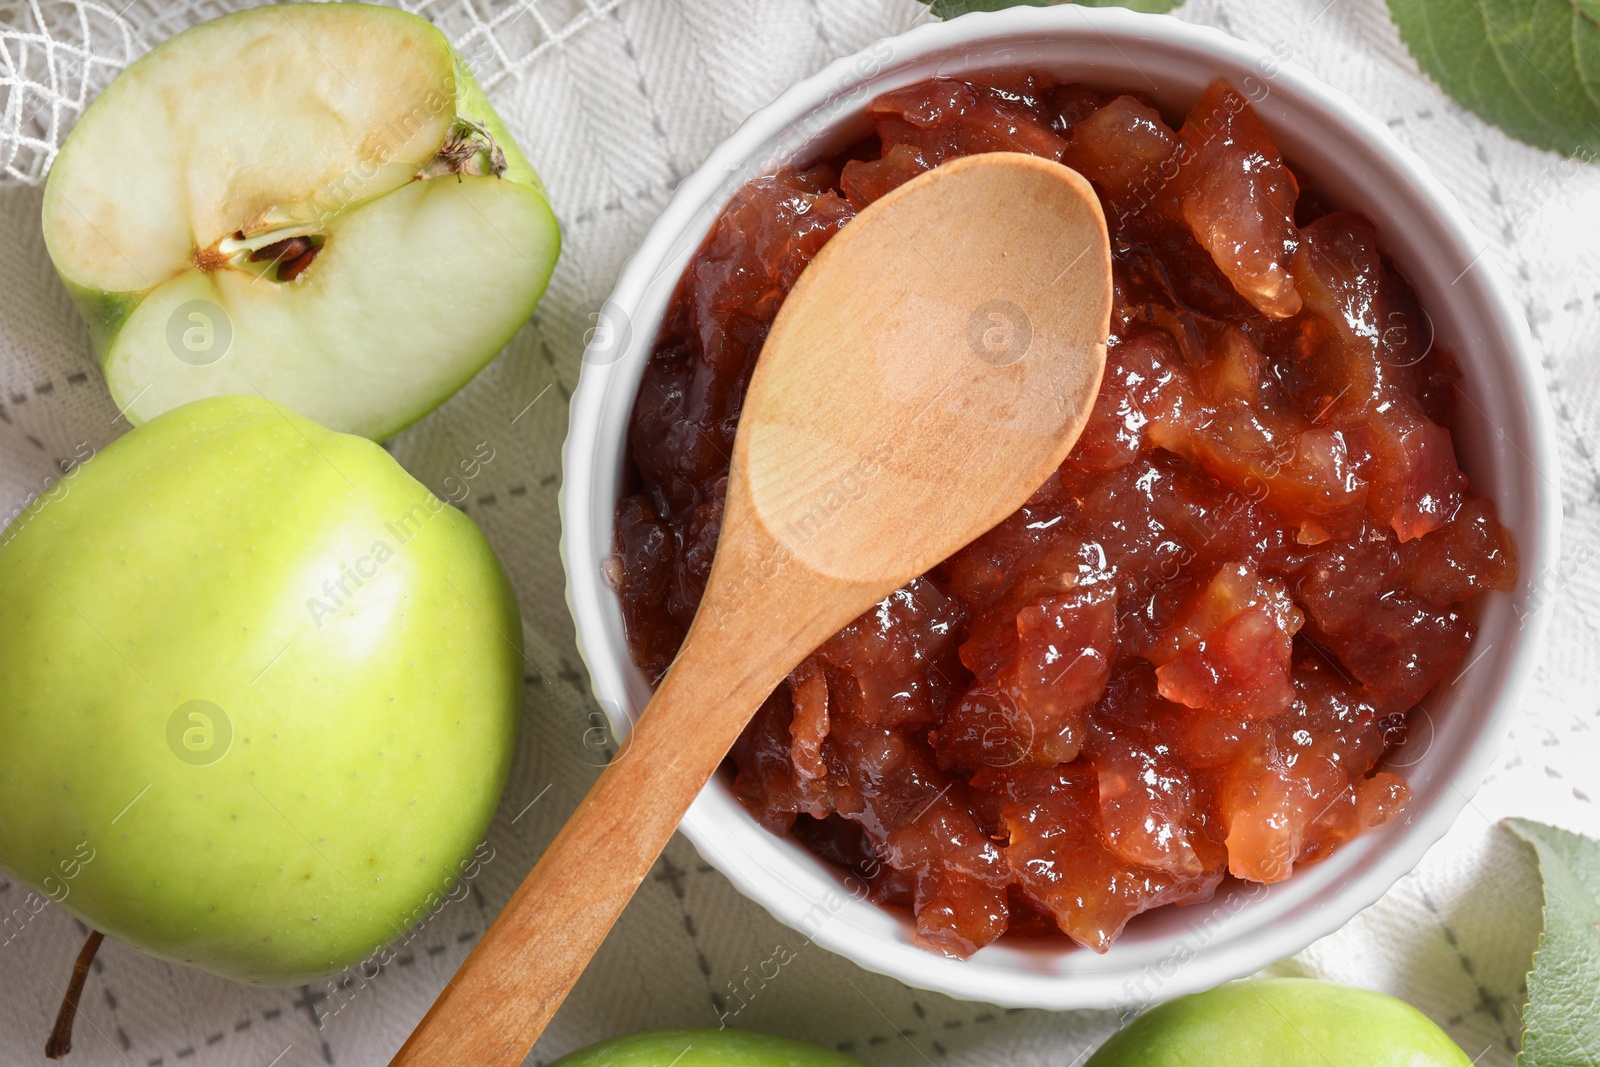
(1186,656)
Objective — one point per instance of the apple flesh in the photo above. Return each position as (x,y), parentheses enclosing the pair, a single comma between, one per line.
(1282,1022)
(314,203)
(259,692)
(704,1048)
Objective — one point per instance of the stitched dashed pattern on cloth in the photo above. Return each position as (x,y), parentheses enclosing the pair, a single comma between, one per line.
(615,101)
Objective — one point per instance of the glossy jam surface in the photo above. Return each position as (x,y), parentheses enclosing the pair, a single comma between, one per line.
(1185,656)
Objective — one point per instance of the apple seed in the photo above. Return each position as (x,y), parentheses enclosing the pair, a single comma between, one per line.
(292,255)
(279,251)
(288,272)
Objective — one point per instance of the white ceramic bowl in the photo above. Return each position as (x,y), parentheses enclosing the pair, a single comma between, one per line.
(1503,433)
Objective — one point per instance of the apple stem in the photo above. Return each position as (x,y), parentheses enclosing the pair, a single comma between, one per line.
(60,1042)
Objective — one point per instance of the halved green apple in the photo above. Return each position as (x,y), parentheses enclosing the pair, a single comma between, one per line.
(313,203)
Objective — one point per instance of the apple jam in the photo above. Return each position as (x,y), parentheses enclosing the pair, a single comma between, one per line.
(1187,654)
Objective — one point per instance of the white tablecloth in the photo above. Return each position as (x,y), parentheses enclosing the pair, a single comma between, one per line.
(615,101)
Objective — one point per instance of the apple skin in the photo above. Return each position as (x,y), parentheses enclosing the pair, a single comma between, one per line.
(370,739)
(704,1048)
(1281,1022)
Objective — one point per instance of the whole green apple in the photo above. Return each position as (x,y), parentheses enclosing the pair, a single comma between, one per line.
(1281,1022)
(310,202)
(704,1048)
(259,692)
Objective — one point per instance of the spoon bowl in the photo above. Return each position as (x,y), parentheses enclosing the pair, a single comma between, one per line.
(930,368)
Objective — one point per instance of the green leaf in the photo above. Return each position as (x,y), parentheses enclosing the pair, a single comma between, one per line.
(949,9)
(1531,67)
(1561,1025)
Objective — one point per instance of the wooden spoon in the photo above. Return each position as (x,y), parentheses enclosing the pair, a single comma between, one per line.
(929,370)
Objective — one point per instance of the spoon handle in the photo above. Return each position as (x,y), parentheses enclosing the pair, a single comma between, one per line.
(505,992)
